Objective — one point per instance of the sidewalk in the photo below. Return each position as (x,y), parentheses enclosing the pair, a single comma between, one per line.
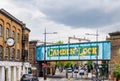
(61,79)
(66,79)
(61,76)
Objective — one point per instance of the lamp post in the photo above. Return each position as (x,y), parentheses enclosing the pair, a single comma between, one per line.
(96,54)
(44,68)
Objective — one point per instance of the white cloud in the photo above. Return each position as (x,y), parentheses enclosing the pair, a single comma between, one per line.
(67,17)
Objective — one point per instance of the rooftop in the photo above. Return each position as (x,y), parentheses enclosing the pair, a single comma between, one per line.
(7,14)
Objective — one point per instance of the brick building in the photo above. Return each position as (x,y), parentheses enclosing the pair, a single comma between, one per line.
(14,47)
(115,46)
(32,57)
(115,43)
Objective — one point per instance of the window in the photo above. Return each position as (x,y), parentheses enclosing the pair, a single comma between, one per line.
(18,54)
(13,34)
(7,53)
(0,30)
(7,33)
(18,36)
(26,37)
(13,53)
(30,54)
(1,51)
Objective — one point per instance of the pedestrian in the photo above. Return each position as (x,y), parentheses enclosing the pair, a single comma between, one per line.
(93,75)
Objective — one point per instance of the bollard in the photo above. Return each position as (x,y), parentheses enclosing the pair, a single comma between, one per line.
(68,77)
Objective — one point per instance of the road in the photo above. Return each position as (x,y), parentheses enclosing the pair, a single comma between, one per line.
(61,76)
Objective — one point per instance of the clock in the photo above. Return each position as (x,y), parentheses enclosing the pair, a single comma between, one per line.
(10,41)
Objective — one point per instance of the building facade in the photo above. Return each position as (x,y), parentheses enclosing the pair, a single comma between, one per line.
(32,57)
(14,47)
(115,46)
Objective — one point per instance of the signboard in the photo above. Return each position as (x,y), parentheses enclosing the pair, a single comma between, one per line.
(75,51)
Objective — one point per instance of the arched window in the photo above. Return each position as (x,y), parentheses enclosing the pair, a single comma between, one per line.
(7,53)
(0,30)
(13,34)
(18,36)
(13,53)
(1,52)
(18,54)
(7,33)
(26,37)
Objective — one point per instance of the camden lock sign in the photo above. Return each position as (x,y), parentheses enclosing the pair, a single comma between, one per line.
(75,51)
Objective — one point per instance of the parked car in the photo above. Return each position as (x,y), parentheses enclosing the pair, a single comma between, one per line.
(69,70)
(29,77)
(76,71)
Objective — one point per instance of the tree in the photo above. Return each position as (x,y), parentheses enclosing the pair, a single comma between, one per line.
(116,69)
(59,42)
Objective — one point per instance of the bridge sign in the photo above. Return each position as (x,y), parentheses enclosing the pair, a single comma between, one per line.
(75,51)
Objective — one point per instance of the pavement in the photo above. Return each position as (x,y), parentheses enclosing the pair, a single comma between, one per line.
(65,79)
(68,79)
(62,79)
(61,76)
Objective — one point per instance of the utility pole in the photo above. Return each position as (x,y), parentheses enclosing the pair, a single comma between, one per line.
(96,54)
(44,68)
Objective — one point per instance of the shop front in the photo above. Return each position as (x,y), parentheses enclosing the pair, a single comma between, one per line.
(10,71)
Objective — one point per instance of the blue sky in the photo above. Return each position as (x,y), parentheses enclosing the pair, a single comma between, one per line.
(67,17)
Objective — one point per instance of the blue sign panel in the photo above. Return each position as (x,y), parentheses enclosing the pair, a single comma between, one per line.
(75,51)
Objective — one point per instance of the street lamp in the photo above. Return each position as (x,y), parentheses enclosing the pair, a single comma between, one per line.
(44,68)
(96,54)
